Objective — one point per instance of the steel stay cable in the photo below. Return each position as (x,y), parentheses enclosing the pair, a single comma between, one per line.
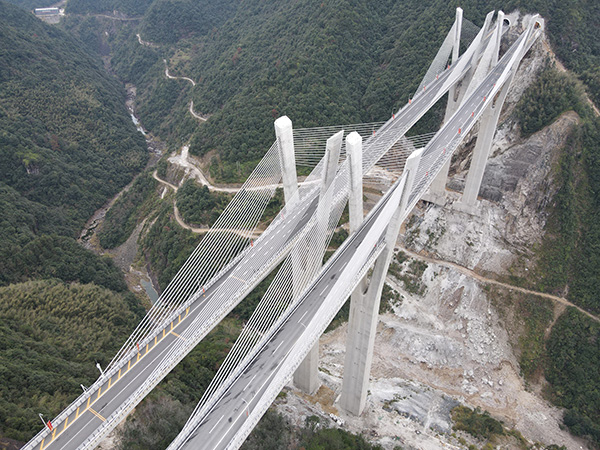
(268,303)
(197,254)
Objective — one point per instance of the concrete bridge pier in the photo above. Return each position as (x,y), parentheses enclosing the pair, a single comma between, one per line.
(306,377)
(437,190)
(364,310)
(487,129)
(356,212)
(489,56)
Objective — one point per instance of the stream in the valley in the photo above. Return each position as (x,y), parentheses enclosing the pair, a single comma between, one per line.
(139,278)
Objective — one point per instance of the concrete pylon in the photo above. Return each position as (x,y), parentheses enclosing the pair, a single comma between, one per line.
(356,212)
(306,377)
(489,122)
(487,129)
(355,202)
(285,141)
(437,189)
(487,58)
(362,325)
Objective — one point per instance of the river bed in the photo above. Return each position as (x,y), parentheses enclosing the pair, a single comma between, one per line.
(138,279)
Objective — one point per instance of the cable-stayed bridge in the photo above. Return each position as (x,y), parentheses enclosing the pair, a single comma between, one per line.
(303,297)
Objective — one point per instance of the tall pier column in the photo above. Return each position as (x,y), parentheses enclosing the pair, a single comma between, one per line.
(306,377)
(356,211)
(487,129)
(482,57)
(437,190)
(364,314)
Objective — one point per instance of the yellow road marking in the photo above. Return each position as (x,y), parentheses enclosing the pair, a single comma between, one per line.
(175,334)
(187,310)
(97,415)
(237,278)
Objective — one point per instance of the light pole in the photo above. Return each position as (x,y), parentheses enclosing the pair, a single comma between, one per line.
(100,369)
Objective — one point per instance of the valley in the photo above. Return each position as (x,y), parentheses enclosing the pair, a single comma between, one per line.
(494,311)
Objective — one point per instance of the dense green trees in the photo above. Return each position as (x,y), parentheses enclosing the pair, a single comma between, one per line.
(67,141)
(193,18)
(130,7)
(167,246)
(574,358)
(67,145)
(199,206)
(552,94)
(51,335)
(127,211)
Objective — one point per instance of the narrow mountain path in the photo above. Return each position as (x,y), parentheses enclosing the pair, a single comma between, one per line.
(166,183)
(172,77)
(183,160)
(194,113)
(145,43)
(482,279)
(182,223)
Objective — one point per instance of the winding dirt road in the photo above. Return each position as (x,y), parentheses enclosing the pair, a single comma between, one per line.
(482,279)
(182,224)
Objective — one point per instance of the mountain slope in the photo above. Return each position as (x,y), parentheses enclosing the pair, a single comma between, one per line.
(67,145)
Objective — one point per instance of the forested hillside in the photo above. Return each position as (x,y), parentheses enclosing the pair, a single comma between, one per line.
(67,145)
(66,141)
(318,62)
(51,335)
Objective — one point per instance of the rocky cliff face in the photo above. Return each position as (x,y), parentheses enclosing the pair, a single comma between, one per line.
(451,338)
